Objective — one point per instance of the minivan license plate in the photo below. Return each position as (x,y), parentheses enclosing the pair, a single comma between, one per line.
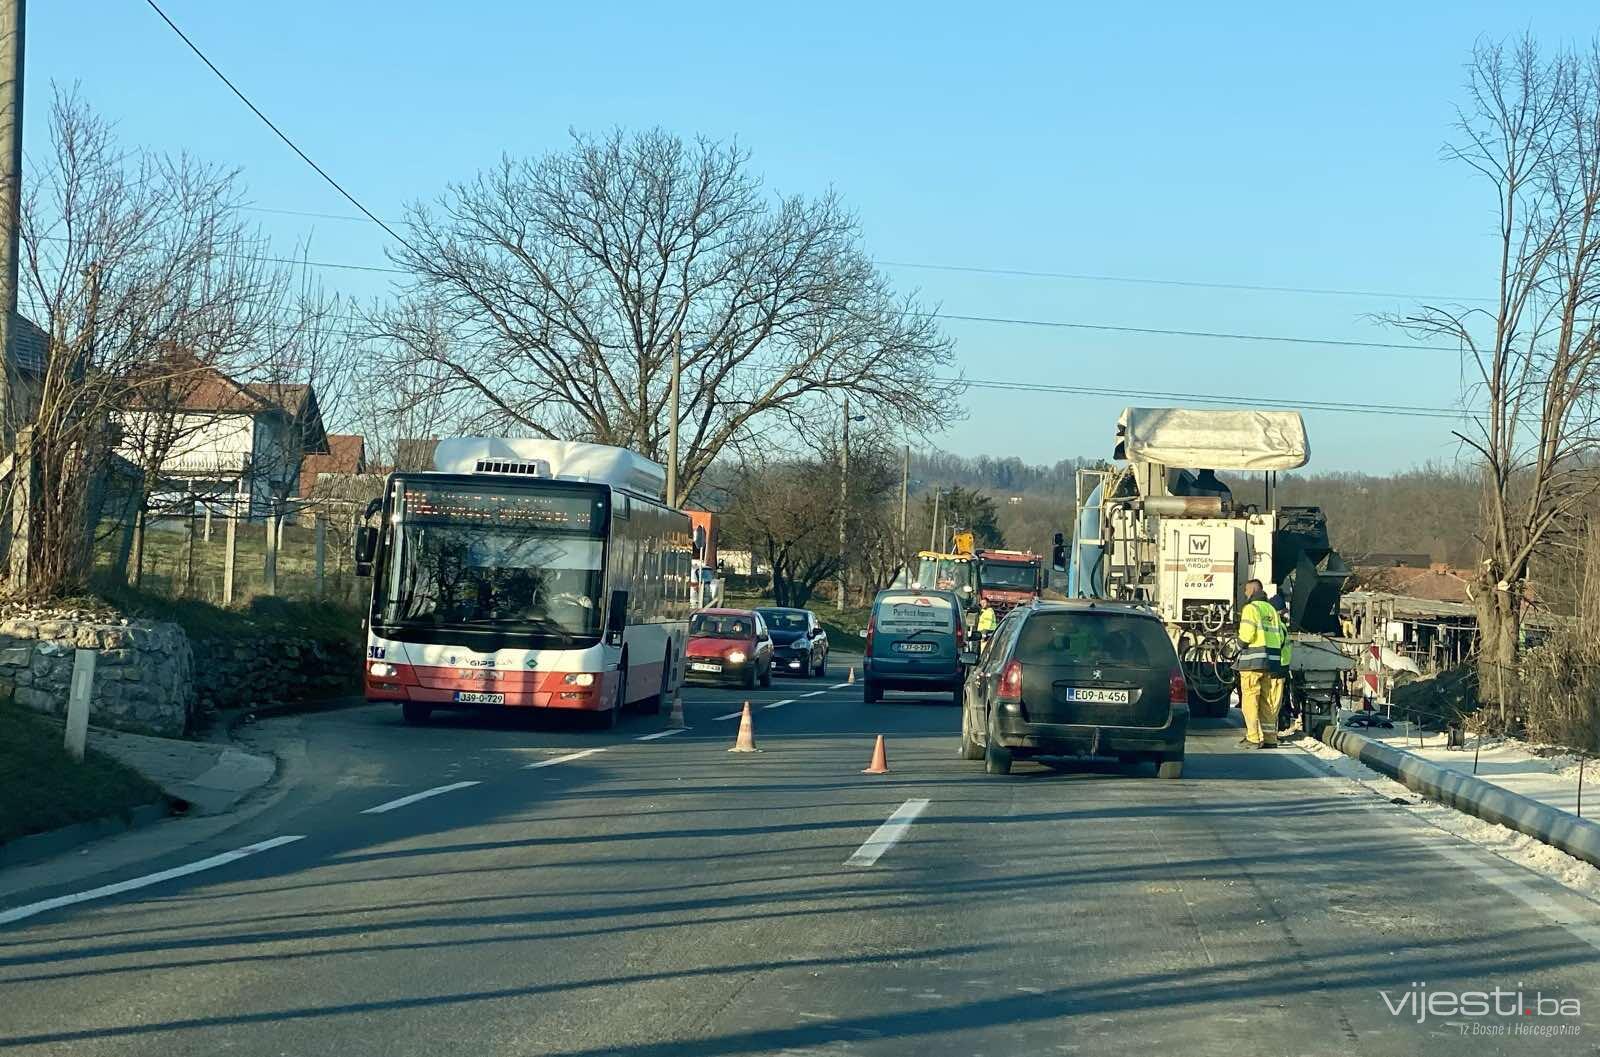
(473,697)
(1096,696)
(914,647)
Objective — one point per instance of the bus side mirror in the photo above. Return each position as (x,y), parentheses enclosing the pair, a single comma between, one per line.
(366,549)
(1058,555)
(617,618)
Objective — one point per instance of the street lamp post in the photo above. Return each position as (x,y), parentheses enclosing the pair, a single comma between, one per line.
(672,421)
(844,492)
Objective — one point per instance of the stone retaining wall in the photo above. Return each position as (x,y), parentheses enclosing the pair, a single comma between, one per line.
(244,673)
(143,680)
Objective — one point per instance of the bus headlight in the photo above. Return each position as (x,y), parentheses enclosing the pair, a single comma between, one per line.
(578,679)
(735,656)
(382,670)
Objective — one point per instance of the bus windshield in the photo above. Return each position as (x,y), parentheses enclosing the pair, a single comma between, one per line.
(496,561)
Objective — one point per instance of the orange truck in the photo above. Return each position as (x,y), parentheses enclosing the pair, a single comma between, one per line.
(1007,579)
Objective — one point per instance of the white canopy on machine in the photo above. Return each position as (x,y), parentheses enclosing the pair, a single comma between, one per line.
(567,460)
(1213,440)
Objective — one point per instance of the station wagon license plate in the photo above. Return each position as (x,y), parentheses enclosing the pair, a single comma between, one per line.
(1096,696)
(914,647)
(474,697)
(700,666)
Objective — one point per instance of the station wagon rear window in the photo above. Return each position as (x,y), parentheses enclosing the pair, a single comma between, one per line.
(912,612)
(1095,638)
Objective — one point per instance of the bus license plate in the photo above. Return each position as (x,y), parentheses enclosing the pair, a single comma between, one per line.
(474,697)
(701,667)
(1096,696)
(914,647)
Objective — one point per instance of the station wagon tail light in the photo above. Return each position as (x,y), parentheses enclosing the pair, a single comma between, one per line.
(1010,689)
(1177,689)
(872,629)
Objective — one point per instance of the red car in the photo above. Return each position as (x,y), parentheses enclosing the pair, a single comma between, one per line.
(729,646)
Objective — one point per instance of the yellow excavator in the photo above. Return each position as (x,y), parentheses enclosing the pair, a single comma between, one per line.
(953,570)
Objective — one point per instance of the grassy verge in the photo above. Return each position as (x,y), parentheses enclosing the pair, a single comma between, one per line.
(325,621)
(41,789)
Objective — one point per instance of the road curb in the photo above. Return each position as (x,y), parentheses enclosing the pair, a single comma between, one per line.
(1575,836)
(38,846)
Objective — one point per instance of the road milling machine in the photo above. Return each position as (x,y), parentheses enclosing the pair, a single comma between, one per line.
(1161,528)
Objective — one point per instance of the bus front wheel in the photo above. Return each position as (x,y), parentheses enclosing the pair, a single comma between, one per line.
(415,712)
(619,698)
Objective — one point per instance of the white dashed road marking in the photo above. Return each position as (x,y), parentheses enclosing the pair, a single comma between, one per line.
(552,761)
(18,913)
(780,704)
(814,693)
(732,715)
(414,797)
(662,734)
(884,837)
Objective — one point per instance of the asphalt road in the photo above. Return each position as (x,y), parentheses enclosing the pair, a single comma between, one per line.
(668,897)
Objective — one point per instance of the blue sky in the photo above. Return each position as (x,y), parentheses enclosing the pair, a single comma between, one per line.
(1253,145)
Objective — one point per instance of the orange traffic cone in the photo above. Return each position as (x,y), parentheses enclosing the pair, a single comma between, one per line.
(851,679)
(746,741)
(675,719)
(880,759)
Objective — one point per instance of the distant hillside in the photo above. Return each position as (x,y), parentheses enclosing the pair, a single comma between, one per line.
(1428,510)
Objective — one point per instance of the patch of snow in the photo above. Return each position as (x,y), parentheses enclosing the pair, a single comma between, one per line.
(1544,773)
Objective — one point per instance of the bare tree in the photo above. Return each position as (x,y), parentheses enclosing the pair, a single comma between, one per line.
(1532,130)
(551,292)
(127,257)
(786,510)
(417,397)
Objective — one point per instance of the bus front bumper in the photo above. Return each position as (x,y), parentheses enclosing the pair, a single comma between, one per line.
(553,693)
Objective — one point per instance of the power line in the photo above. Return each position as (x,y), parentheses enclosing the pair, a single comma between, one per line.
(1029,273)
(1345,407)
(1013,321)
(1067,325)
(1151,281)
(1020,386)
(276,130)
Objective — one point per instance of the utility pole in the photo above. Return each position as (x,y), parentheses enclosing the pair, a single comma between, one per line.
(905,497)
(844,493)
(13,19)
(672,421)
(933,530)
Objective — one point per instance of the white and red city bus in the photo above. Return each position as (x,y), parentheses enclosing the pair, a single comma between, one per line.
(525,573)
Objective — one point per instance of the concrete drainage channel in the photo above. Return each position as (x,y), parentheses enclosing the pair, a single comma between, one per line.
(1575,836)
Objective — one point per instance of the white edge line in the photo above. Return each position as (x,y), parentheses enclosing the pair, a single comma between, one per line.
(402,801)
(552,761)
(884,837)
(780,704)
(662,734)
(732,715)
(28,911)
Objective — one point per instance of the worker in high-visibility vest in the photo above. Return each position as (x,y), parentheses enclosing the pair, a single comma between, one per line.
(1260,667)
(988,620)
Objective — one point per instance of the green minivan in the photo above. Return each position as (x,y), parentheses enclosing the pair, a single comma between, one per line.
(915,641)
